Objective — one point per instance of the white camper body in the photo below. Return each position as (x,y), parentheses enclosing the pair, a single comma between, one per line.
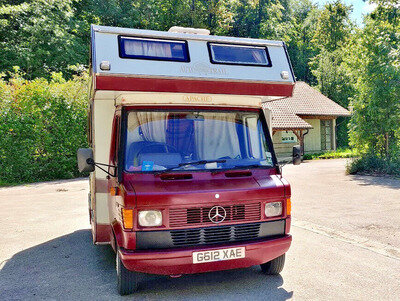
(199,80)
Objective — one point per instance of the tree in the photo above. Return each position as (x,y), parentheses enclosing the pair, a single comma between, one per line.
(332,26)
(333,32)
(375,60)
(303,17)
(37,36)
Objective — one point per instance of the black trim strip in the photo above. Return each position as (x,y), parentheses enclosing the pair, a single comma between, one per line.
(167,239)
(122,143)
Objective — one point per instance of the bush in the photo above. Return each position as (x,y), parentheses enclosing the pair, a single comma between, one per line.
(371,164)
(42,124)
(340,153)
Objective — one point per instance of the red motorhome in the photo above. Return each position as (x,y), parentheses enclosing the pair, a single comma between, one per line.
(184,178)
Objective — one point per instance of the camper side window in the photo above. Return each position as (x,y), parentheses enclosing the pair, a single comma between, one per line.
(239,55)
(153,49)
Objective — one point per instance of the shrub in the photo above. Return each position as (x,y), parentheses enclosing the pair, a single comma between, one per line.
(42,124)
(371,164)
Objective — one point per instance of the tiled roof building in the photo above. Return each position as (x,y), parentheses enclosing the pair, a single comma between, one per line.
(307,118)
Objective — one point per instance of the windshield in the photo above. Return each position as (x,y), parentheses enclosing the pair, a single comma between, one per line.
(160,140)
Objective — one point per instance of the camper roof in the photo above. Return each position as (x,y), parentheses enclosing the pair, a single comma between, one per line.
(187,61)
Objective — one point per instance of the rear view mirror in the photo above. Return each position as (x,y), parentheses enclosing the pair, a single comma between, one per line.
(85,160)
(296,155)
(195,117)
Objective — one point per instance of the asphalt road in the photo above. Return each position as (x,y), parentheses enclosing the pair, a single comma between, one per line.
(345,245)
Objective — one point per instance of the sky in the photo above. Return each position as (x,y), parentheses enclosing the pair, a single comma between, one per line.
(360,8)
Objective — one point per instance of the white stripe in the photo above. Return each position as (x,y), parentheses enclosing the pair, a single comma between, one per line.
(102,209)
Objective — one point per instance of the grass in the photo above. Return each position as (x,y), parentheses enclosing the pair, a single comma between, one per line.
(340,153)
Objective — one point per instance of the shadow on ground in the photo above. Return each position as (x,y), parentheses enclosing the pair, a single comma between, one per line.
(385,181)
(70,267)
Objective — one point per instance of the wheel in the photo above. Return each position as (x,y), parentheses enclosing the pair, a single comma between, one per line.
(273,267)
(127,280)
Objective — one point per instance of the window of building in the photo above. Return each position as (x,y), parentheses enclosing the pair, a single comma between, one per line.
(326,134)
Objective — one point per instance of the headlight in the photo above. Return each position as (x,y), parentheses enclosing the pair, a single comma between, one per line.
(151,218)
(273,209)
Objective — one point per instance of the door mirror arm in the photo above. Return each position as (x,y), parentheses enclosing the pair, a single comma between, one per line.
(90,161)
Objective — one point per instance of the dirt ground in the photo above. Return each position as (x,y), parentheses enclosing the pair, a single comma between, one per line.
(345,245)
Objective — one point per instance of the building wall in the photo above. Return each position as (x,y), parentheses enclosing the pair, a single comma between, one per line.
(282,150)
(312,141)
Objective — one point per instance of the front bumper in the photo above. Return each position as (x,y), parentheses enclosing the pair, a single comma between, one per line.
(180,261)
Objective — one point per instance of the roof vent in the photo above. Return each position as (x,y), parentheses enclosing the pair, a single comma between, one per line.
(178,29)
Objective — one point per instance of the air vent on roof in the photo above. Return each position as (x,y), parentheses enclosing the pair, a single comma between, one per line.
(179,29)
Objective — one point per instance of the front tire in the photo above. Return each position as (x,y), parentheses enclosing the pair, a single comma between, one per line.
(126,280)
(273,267)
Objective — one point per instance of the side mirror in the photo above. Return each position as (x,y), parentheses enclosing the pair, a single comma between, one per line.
(296,155)
(85,160)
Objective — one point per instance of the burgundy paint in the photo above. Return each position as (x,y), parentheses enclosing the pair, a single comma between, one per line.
(120,83)
(103,233)
(176,261)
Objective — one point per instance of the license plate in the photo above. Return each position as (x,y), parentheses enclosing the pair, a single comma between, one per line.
(218,255)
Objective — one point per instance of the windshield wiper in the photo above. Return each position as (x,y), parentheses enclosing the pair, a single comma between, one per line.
(249,166)
(200,162)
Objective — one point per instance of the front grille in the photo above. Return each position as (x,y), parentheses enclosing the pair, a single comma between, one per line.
(199,215)
(214,235)
(164,239)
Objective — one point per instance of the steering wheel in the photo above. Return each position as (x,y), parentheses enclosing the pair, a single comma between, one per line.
(167,148)
(226,158)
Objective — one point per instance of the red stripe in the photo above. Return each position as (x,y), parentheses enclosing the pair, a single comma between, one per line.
(191,86)
(103,232)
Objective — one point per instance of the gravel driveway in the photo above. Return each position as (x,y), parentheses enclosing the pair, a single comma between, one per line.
(345,245)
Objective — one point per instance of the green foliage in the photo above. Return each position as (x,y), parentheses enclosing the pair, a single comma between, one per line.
(331,36)
(373,165)
(375,63)
(332,26)
(300,33)
(340,153)
(42,124)
(39,37)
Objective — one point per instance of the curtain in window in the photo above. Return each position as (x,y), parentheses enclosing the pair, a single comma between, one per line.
(149,131)
(145,48)
(216,136)
(258,56)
